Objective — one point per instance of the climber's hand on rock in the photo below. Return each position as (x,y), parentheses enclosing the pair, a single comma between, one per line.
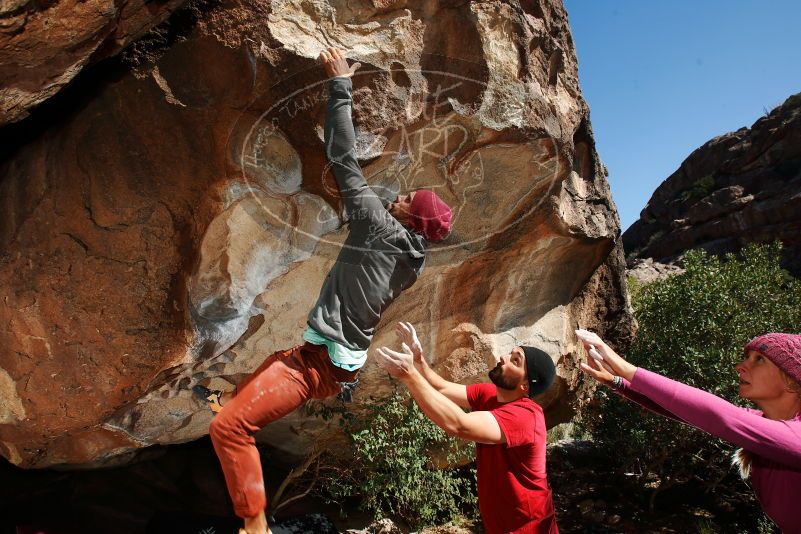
(397,364)
(335,64)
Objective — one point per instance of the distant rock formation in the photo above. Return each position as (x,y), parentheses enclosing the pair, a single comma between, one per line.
(647,271)
(738,188)
(169,220)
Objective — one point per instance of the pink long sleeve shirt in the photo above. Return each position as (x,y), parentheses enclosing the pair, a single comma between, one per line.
(775,445)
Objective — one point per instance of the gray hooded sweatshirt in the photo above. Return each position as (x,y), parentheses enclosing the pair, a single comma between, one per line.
(380,257)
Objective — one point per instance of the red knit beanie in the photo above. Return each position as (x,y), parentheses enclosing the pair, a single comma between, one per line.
(430,216)
(782,349)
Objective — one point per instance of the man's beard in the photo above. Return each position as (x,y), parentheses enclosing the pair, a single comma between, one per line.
(497,378)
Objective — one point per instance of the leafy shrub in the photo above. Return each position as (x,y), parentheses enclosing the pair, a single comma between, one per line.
(699,189)
(693,327)
(634,287)
(393,469)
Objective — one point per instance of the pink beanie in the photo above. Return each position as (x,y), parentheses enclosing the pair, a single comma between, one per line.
(782,349)
(430,216)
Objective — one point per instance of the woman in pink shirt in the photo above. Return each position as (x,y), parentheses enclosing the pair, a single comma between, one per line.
(770,438)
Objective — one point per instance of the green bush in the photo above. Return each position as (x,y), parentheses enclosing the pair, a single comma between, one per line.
(699,189)
(393,471)
(693,327)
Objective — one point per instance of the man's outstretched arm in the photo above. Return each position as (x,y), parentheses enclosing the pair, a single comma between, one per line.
(340,139)
(456,393)
(479,426)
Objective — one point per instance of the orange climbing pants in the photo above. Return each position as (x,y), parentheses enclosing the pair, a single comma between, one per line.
(282,383)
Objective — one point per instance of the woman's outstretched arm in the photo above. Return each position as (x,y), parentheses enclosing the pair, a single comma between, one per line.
(777,440)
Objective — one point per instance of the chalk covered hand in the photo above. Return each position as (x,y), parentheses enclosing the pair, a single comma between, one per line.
(407,336)
(335,63)
(599,372)
(397,364)
(605,363)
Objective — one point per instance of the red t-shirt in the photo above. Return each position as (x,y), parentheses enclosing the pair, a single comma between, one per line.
(513,493)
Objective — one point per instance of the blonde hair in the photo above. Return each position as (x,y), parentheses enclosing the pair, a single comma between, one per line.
(792,384)
(742,458)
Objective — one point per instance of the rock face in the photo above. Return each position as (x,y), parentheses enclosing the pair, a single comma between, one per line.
(645,271)
(741,187)
(173,225)
(44,45)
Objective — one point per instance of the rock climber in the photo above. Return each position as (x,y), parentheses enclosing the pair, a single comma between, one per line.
(382,256)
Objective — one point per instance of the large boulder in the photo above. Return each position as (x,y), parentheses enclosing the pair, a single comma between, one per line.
(171,225)
(738,188)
